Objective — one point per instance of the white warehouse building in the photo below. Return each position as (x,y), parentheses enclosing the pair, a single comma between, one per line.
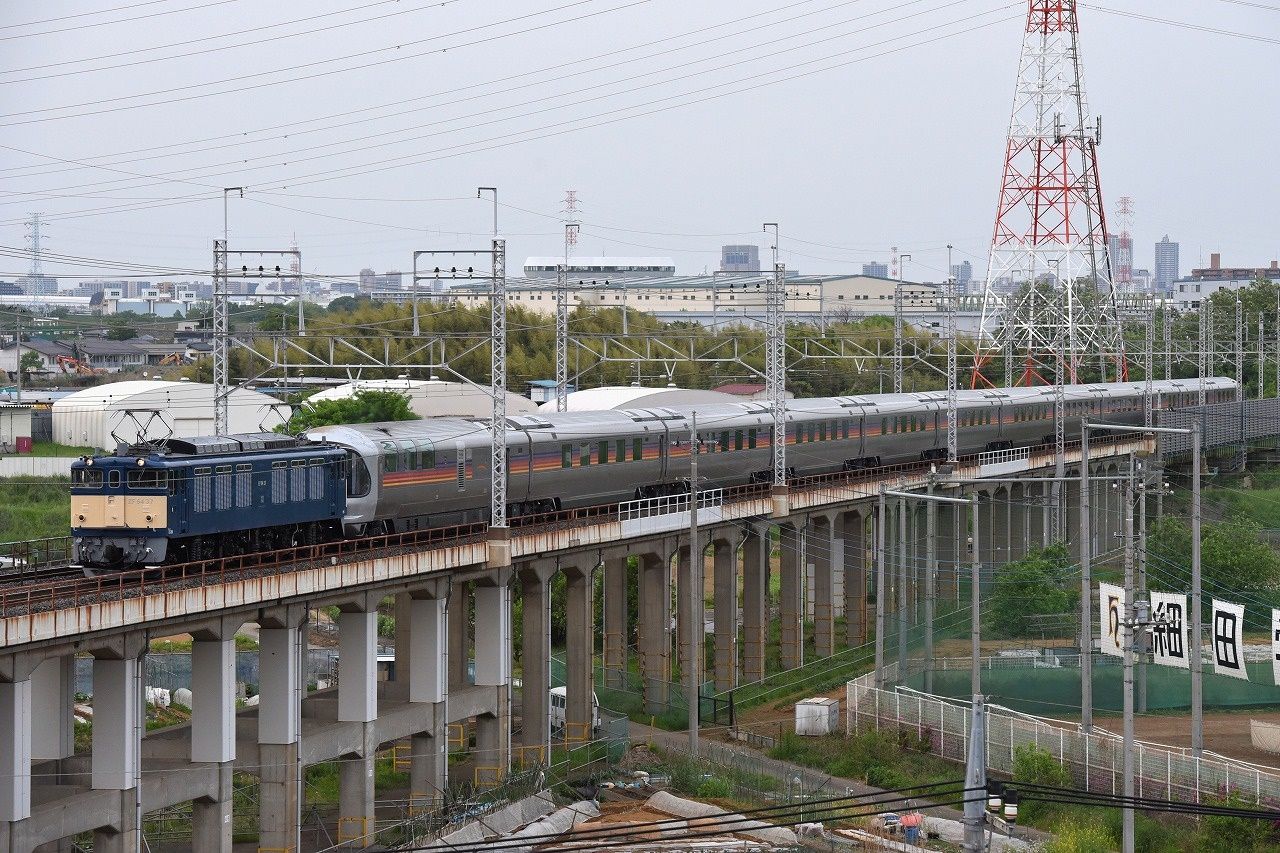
(431,398)
(106,416)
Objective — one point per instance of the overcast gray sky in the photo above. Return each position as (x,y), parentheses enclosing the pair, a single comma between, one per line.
(672,119)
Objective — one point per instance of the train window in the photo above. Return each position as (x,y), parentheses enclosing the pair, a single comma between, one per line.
(620,450)
(822,431)
(637,449)
(884,425)
(584,457)
(358,481)
(737,440)
(566,456)
(145,478)
(602,452)
(113,479)
(87,477)
(725,446)
(752,437)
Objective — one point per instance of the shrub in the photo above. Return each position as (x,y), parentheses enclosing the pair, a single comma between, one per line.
(1035,766)
(714,788)
(1084,837)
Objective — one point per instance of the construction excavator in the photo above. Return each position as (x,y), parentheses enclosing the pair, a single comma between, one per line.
(70,364)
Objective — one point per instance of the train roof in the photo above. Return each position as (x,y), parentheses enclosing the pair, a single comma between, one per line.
(717,415)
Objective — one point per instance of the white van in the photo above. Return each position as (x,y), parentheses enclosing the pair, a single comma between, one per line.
(559,696)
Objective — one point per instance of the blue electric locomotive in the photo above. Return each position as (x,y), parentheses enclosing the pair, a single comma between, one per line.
(200,498)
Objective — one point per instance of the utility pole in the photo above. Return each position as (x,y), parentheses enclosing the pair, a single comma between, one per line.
(1142,573)
(1262,359)
(498,388)
(975,779)
(221,322)
(1128,635)
(952,368)
(975,602)
(1086,586)
(898,323)
(930,583)
(17,351)
(901,594)
(1244,445)
(882,520)
(696,615)
(775,374)
(1196,652)
(1167,317)
(562,338)
(1203,355)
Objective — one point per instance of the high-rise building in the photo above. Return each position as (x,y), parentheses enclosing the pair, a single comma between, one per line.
(963,275)
(1167,269)
(877,269)
(1120,252)
(739,258)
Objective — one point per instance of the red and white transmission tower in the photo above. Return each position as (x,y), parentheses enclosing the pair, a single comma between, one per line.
(1048,293)
(1122,263)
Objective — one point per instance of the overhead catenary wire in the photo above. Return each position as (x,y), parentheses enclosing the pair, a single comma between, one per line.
(487,114)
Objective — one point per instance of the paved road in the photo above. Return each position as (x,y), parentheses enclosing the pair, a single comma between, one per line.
(812,780)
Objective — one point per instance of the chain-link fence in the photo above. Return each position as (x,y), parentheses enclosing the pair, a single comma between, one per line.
(1095,760)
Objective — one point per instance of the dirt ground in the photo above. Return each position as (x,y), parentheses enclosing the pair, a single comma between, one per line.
(1226,733)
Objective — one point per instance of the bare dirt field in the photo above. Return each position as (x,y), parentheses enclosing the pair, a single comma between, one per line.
(1226,733)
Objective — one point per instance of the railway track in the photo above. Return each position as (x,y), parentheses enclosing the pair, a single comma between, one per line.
(42,576)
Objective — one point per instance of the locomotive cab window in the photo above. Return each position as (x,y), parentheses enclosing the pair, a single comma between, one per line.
(146,478)
(86,478)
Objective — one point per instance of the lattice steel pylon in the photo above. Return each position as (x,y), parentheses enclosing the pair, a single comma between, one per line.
(1049,279)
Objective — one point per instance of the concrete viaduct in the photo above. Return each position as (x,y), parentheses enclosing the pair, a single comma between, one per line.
(49,793)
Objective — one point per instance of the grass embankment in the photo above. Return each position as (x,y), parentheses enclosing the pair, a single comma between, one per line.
(889,760)
(34,508)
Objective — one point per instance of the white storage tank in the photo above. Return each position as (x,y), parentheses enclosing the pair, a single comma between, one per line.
(818,716)
(105,416)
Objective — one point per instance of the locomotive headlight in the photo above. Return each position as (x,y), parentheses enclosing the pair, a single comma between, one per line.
(141,462)
(88,462)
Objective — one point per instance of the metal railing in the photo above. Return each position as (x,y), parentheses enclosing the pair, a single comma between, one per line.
(1093,759)
(668,505)
(56,593)
(1011,454)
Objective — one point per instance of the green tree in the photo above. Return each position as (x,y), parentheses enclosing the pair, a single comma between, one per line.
(363,407)
(1035,766)
(30,363)
(1036,585)
(1232,555)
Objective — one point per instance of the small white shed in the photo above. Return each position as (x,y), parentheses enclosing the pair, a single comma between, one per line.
(818,716)
(108,415)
